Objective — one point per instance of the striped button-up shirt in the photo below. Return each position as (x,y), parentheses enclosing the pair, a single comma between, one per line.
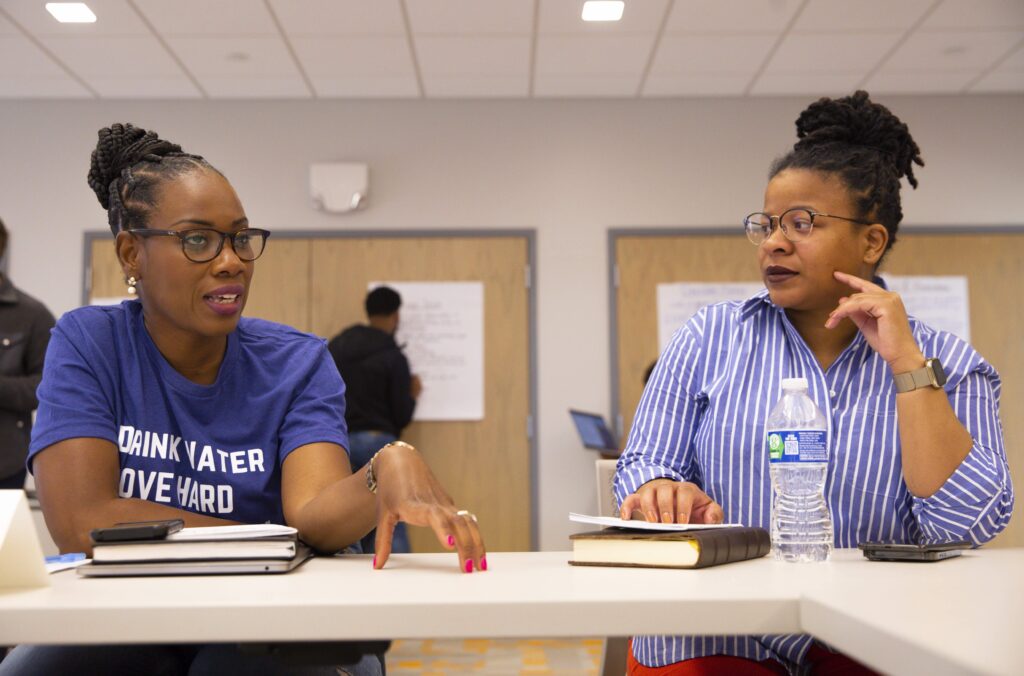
(702,415)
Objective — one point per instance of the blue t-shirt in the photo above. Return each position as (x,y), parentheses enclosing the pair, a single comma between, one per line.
(210,449)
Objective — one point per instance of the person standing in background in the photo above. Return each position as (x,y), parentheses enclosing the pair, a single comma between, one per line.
(380,390)
(25,325)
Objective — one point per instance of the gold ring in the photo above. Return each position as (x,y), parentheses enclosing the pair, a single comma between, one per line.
(466,512)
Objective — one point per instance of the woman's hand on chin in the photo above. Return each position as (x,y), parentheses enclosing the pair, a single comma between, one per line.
(880,316)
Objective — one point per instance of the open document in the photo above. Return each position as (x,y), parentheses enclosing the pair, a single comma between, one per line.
(646,525)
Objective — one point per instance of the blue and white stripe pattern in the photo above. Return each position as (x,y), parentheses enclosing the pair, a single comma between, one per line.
(701,419)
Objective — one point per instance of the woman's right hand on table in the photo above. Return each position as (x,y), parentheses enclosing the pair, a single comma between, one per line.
(408,491)
(671,501)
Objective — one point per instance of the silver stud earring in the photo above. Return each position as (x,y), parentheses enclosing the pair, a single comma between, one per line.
(131,286)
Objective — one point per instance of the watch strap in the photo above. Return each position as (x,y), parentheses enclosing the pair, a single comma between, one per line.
(916,379)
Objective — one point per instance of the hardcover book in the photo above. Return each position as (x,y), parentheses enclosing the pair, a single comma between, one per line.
(653,549)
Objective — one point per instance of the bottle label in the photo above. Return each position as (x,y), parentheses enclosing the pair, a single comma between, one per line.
(797,446)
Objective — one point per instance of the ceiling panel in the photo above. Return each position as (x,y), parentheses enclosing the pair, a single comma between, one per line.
(862,15)
(696,84)
(451,55)
(113,17)
(7,28)
(476,86)
(468,17)
(267,86)
(1000,81)
(563,16)
(484,48)
(575,86)
(612,55)
(340,17)
(809,84)
(107,57)
(244,57)
(41,87)
(1015,60)
(730,16)
(208,17)
(919,81)
(952,50)
(19,58)
(366,87)
(841,53)
(358,57)
(960,14)
(711,54)
(148,87)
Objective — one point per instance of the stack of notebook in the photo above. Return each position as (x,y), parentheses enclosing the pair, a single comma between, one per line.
(259,548)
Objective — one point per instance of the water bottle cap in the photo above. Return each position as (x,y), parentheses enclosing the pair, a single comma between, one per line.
(794,383)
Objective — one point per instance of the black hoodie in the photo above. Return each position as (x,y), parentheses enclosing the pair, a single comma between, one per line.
(377,380)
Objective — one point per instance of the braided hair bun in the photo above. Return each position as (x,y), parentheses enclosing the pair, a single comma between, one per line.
(864,145)
(858,121)
(127,166)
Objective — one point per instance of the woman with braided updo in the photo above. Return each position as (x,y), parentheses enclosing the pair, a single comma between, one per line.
(174,406)
(915,454)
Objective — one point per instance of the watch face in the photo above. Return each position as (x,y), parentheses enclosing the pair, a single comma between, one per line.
(938,375)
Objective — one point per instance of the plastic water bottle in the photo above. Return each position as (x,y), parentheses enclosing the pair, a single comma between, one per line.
(798,455)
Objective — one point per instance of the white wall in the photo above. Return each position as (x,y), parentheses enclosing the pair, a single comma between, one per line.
(570,169)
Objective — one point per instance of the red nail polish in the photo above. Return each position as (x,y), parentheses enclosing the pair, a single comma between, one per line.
(483,563)
(451,541)
(469,565)
(374,561)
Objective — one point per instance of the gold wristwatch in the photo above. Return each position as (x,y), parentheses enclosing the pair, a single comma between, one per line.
(930,375)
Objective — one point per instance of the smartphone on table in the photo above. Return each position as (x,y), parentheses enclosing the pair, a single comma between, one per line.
(137,530)
(891,551)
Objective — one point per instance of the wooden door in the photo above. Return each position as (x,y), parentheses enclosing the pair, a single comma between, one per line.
(485,465)
(318,285)
(106,280)
(992,262)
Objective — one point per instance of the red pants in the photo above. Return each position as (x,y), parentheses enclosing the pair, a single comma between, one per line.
(821,661)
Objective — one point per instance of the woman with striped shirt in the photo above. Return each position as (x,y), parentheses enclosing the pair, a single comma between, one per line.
(911,460)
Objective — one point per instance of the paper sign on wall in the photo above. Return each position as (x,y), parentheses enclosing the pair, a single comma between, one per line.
(442,330)
(939,302)
(679,301)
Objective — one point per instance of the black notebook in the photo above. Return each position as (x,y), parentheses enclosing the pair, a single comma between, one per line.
(660,549)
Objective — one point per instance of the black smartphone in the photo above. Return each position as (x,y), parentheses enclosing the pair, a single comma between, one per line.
(890,551)
(137,530)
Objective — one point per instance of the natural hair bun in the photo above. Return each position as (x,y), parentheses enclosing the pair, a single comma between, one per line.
(121,146)
(859,122)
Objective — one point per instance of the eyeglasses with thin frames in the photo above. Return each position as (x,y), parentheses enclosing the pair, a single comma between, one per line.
(796,224)
(202,245)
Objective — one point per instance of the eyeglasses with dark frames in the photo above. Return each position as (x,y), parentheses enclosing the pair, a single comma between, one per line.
(202,245)
(796,224)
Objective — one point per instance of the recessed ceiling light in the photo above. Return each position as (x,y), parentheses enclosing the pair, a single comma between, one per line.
(71,12)
(603,10)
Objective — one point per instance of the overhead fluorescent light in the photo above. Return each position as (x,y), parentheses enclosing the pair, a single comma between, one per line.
(603,10)
(71,12)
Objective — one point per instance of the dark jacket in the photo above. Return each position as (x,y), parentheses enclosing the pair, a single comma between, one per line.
(24,333)
(377,380)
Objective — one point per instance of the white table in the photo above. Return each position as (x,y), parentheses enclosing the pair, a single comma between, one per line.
(897,617)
